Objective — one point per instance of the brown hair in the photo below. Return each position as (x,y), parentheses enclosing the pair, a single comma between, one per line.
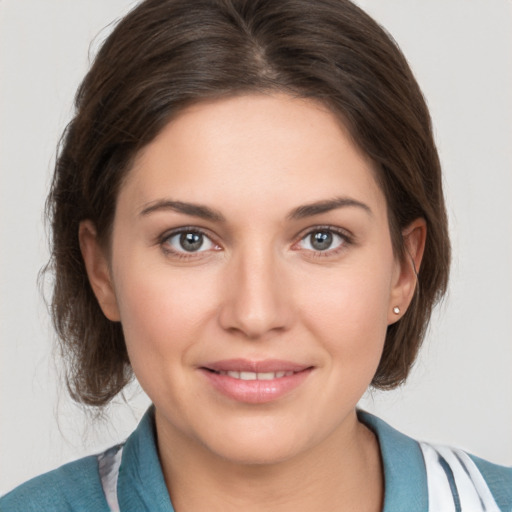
(167,54)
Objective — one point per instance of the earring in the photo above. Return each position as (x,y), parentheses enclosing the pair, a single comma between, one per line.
(396,310)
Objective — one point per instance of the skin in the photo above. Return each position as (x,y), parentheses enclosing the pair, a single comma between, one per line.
(257,289)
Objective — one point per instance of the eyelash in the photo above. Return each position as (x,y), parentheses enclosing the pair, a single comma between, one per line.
(346,241)
(164,242)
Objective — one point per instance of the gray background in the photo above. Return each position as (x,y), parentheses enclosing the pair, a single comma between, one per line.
(460,391)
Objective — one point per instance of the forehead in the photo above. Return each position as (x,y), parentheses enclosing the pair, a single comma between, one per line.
(265,150)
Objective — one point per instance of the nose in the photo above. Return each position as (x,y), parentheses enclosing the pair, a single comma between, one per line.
(257,298)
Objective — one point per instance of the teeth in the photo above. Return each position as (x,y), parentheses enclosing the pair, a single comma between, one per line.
(256,376)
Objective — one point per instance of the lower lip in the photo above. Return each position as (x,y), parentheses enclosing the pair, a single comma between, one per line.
(255,391)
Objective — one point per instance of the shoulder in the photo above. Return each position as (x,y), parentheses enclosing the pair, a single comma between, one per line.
(452,473)
(127,476)
(73,487)
(498,478)
(437,477)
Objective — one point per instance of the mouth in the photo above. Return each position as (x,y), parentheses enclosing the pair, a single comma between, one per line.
(255,382)
(241,375)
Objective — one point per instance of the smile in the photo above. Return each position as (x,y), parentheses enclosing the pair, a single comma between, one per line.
(255,382)
(256,376)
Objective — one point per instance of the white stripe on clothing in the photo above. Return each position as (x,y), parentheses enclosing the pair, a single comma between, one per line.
(473,493)
(108,465)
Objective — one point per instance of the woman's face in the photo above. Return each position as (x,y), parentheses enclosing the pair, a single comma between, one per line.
(253,273)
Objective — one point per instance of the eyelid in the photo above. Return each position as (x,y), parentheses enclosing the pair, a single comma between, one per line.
(164,237)
(347,236)
(161,240)
(345,233)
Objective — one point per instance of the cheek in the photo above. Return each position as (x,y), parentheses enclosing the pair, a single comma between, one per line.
(348,310)
(161,310)
(163,315)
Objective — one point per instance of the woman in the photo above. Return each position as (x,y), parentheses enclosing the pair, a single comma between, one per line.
(248,214)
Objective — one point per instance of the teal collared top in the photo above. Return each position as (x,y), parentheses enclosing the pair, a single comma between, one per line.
(139,482)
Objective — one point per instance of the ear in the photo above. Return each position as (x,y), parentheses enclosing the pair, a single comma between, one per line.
(405,280)
(98,270)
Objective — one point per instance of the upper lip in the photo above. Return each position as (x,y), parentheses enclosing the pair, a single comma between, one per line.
(247,365)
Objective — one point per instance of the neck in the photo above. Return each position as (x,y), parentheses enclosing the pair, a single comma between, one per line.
(344,472)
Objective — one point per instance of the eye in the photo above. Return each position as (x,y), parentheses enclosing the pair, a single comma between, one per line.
(322,240)
(188,241)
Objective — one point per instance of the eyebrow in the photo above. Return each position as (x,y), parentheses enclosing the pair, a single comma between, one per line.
(319,207)
(196,210)
(301,212)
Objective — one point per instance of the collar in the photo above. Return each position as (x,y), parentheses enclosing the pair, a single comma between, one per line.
(405,477)
(141,484)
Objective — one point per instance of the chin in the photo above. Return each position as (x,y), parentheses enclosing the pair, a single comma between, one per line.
(255,444)
(261,453)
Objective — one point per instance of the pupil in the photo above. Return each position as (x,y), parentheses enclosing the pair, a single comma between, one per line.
(191,241)
(321,240)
